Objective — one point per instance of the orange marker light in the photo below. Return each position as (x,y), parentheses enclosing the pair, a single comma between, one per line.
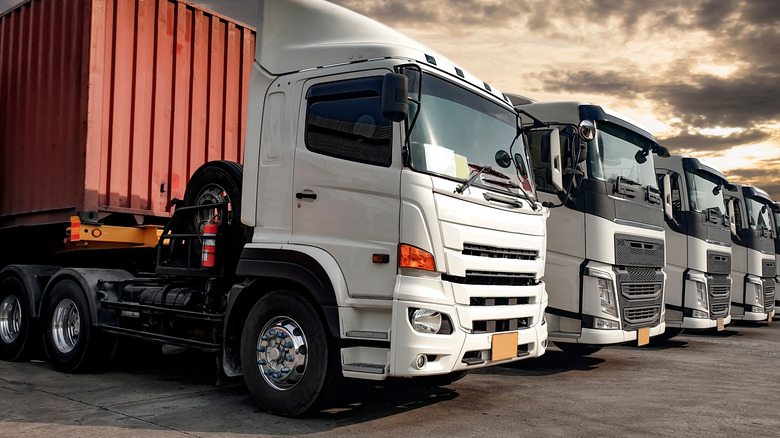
(413,257)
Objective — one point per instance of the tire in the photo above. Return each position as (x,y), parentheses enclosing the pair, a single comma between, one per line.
(572,349)
(216,182)
(72,344)
(294,377)
(17,329)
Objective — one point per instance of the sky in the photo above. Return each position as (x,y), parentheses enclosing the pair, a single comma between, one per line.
(702,75)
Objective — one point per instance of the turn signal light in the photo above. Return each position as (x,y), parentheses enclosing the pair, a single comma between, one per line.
(413,257)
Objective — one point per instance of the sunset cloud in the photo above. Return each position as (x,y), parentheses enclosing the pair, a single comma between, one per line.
(703,75)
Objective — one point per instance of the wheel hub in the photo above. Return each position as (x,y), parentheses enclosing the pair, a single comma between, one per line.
(281,353)
(10,319)
(214,194)
(66,325)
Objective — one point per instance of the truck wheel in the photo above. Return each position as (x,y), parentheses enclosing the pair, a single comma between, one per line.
(213,183)
(578,349)
(288,363)
(71,343)
(16,327)
(216,182)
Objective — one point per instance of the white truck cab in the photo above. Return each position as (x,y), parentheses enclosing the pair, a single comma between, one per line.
(606,245)
(698,245)
(753,253)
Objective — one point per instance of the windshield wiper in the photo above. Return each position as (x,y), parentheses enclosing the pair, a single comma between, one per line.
(461,188)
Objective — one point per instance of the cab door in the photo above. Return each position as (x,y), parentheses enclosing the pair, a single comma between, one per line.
(346,183)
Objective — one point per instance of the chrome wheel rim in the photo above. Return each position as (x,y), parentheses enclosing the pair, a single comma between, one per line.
(213,194)
(282,353)
(66,326)
(10,319)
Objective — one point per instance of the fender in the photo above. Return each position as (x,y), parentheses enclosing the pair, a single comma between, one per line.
(90,281)
(290,266)
(264,270)
(34,278)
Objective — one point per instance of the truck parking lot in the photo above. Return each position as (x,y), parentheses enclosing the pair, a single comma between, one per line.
(669,388)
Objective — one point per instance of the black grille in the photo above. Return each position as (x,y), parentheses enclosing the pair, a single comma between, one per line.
(718,262)
(720,296)
(642,315)
(499,253)
(491,278)
(768,269)
(631,251)
(641,296)
(641,291)
(500,325)
(769,297)
(498,301)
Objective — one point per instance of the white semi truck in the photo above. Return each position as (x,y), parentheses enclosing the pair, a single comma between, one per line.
(605,260)
(377,226)
(776,223)
(698,245)
(753,266)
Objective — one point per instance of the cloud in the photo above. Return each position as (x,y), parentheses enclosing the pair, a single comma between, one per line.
(690,143)
(765,178)
(693,67)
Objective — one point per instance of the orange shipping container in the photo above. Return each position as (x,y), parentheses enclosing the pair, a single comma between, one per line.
(108,106)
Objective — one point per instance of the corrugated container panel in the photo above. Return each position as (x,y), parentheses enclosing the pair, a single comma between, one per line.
(110,105)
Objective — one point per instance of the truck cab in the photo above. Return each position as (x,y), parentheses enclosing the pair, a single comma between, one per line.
(381,223)
(776,223)
(698,250)
(753,253)
(594,169)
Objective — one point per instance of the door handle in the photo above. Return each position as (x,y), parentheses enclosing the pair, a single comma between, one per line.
(301,195)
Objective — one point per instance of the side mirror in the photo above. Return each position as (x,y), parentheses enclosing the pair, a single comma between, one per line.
(666,192)
(395,97)
(662,151)
(553,139)
(730,212)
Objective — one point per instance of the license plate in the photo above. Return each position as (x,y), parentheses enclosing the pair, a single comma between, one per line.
(721,327)
(643,336)
(504,346)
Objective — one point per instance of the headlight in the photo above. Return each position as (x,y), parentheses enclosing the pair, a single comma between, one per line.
(757,309)
(700,314)
(606,324)
(430,321)
(606,296)
(701,295)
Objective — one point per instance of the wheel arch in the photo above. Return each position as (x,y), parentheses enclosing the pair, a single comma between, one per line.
(34,278)
(267,270)
(90,281)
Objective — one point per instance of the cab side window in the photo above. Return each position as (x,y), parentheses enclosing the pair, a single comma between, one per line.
(344,120)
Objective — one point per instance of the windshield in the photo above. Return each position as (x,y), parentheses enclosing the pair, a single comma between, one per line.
(457,133)
(613,154)
(705,191)
(776,217)
(758,213)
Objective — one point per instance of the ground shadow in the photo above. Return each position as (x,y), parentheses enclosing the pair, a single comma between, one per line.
(553,361)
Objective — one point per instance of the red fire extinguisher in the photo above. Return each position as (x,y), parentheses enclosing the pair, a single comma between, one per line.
(209,250)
